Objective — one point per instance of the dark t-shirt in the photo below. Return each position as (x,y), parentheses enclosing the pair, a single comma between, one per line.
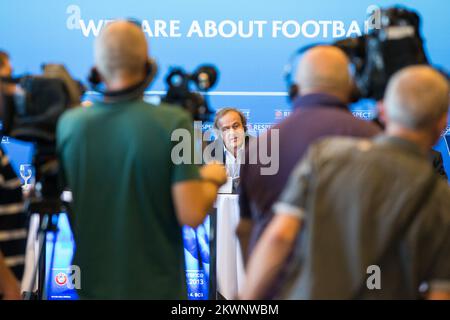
(315,116)
(117,161)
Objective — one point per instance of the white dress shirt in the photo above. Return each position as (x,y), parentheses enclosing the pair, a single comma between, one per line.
(232,163)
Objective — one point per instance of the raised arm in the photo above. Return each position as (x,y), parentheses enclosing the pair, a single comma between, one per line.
(194,198)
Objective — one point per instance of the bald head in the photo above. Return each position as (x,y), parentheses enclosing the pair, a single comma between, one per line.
(417,97)
(121,51)
(324,69)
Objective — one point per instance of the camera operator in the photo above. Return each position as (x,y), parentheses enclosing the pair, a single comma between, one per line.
(351,217)
(129,197)
(376,56)
(12,231)
(12,216)
(434,156)
(320,110)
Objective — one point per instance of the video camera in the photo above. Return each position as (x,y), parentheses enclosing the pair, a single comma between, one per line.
(179,90)
(31,114)
(393,45)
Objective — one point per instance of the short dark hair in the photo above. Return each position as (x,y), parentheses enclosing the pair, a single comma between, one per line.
(4,56)
(224,111)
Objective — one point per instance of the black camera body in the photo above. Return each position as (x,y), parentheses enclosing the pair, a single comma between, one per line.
(31,115)
(179,91)
(396,43)
(33,112)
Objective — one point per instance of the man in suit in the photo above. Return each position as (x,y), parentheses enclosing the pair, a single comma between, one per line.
(230,125)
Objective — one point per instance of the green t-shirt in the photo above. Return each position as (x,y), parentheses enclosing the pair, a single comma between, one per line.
(116,159)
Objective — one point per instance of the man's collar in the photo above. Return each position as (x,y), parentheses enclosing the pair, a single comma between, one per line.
(239,150)
(319,100)
(400,143)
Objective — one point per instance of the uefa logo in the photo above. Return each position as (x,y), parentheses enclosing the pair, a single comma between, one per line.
(61,279)
(278,114)
(246,113)
(281,114)
(69,278)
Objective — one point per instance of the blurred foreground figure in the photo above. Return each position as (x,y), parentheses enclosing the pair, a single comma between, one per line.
(130,197)
(320,109)
(13,219)
(369,219)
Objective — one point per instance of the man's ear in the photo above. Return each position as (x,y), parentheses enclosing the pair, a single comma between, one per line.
(381,108)
(294,91)
(438,129)
(442,125)
(94,77)
(354,94)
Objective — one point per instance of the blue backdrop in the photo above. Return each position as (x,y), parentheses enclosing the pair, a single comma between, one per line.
(251,68)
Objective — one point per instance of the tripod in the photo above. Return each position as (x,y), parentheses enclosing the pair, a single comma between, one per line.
(46,202)
(48,211)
